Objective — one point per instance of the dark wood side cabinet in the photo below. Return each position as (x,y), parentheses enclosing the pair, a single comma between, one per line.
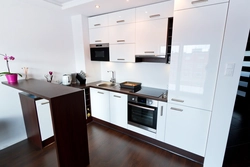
(68,118)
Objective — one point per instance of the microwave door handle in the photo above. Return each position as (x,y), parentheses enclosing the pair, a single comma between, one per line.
(146,108)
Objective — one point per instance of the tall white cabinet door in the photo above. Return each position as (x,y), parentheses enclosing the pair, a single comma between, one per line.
(122,53)
(44,118)
(180,4)
(118,109)
(187,128)
(161,121)
(99,35)
(195,54)
(151,37)
(100,104)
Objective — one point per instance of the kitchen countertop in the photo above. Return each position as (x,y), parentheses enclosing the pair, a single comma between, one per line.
(121,90)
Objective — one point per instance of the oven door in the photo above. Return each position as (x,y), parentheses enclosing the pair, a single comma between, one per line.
(142,116)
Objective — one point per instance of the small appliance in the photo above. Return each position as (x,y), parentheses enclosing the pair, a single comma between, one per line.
(66,79)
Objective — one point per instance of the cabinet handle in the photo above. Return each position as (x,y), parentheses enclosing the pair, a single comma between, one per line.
(100,92)
(146,108)
(178,100)
(98,40)
(149,52)
(176,109)
(45,103)
(120,21)
(117,96)
(197,1)
(120,40)
(161,110)
(97,24)
(121,59)
(156,15)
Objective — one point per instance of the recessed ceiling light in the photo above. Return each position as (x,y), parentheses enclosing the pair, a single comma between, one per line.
(97,6)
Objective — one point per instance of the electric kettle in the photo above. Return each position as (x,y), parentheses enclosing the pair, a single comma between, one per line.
(66,79)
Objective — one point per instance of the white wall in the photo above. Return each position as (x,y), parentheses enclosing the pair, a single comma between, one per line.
(39,35)
(149,74)
(237,29)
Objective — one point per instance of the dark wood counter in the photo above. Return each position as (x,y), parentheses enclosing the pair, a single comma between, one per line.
(68,117)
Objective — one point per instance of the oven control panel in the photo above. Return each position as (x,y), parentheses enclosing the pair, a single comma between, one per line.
(142,100)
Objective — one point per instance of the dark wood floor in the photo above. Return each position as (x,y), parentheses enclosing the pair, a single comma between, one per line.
(238,146)
(107,148)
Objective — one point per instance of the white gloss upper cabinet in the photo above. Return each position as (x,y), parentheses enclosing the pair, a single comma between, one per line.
(122,17)
(44,118)
(122,52)
(195,55)
(118,109)
(185,4)
(99,35)
(98,21)
(187,128)
(155,11)
(122,34)
(151,37)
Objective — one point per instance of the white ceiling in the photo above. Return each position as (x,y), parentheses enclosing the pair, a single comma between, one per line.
(87,7)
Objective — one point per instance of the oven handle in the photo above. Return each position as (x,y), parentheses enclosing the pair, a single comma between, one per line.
(151,109)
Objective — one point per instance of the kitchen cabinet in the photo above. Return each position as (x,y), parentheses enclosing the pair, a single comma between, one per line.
(161,121)
(100,104)
(44,119)
(195,55)
(99,35)
(122,53)
(122,34)
(98,21)
(187,128)
(180,4)
(118,109)
(155,11)
(122,17)
(151,37)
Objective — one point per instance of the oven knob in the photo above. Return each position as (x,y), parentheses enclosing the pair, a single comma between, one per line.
(149,102)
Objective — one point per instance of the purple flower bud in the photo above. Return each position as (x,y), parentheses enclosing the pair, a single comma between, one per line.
(50,72)
(12,58)
(5,58)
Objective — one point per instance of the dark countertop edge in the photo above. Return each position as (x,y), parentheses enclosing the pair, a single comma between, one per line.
(115,89)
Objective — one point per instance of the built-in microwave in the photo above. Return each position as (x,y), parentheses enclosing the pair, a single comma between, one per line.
(99,52)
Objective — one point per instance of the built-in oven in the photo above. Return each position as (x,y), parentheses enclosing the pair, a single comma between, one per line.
(99,52)
(142,112)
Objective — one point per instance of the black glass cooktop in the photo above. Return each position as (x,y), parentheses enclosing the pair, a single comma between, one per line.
(154,92)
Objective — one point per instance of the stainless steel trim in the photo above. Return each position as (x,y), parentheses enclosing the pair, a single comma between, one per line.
(177,100)
(117,96)
(146,108)
(121,40)
(156,15)
(100,92)
(176,109)
(197,1)
(120,21)
(97,24)
(161,110)
(120,59)
(142,126)
(98,40)
(45,103)
(101,45)
(149,52)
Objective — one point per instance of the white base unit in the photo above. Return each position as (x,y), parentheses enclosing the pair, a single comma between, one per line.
(141,131)
(187,128)
(161,121)
(44,118)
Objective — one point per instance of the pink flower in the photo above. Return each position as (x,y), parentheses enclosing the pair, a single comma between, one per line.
(12,58)
(50,72)
(5,58)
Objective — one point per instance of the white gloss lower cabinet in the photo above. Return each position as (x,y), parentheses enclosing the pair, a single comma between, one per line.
(187,128)
(161,121)
(44,119)
(118,109)
(100,104)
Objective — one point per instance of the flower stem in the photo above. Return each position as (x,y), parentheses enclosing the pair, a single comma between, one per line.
(8,65)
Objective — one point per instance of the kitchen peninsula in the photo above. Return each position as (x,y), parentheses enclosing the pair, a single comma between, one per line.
(68,117)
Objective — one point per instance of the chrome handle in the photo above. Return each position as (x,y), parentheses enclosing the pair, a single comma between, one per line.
(100,92)
(120,21)
(97,24)
(45,103)
(120,40)
(98,40)
(176,109)
(146,108)
(120,59)
(117,96)
(197,1)
(178,100)
(149,52)
(161,110)
(156,15)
